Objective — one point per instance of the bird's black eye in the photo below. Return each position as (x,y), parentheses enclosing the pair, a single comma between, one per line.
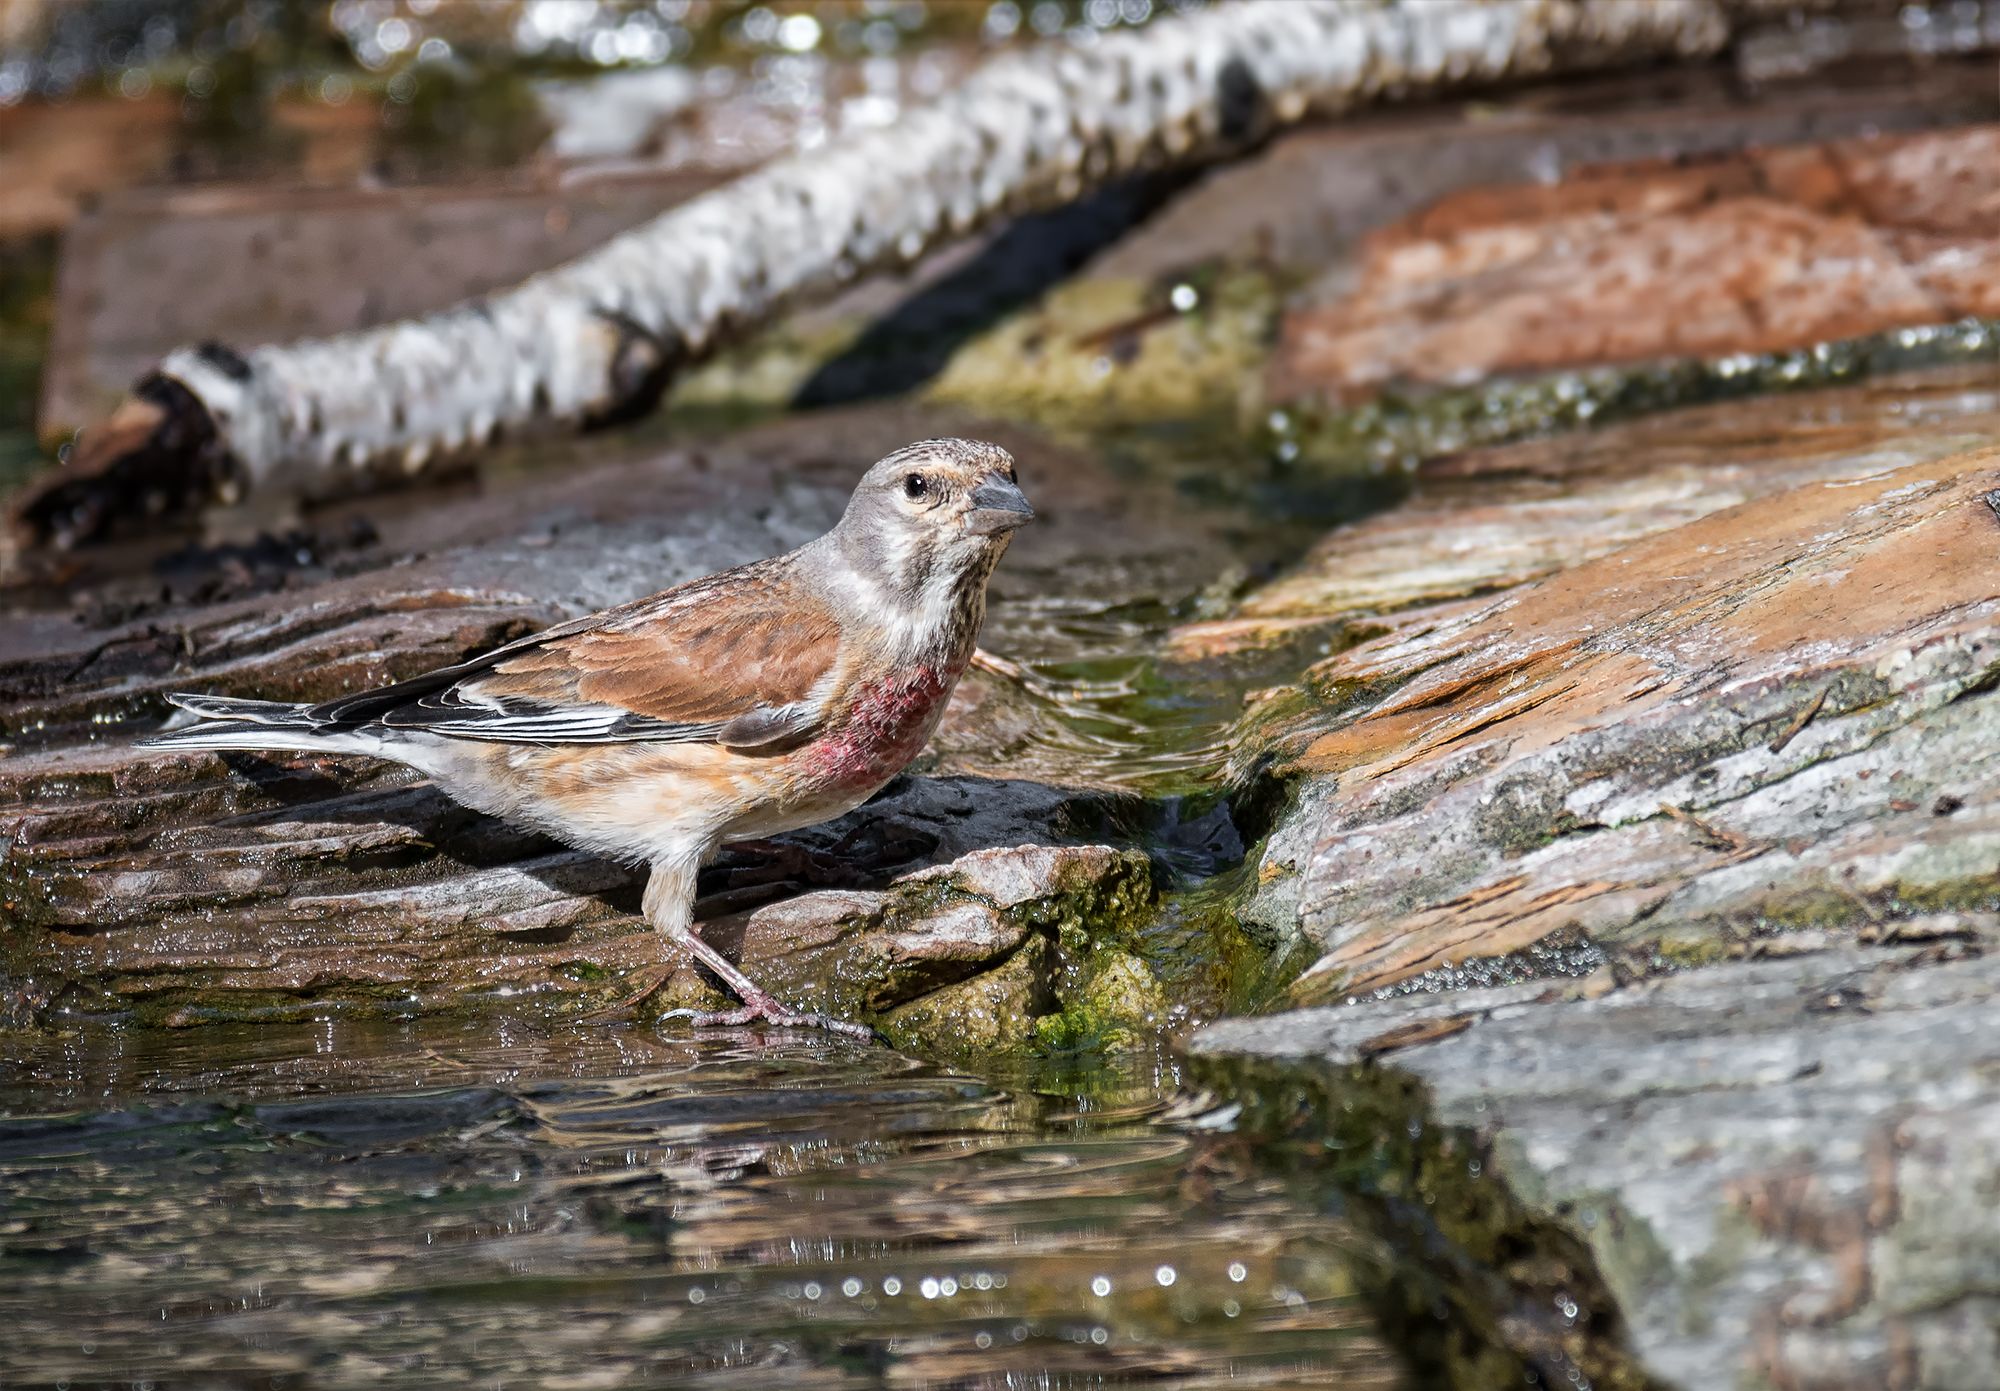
(915,485)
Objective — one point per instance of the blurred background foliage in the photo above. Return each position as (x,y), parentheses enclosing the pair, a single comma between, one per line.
(455,78)
(104,95)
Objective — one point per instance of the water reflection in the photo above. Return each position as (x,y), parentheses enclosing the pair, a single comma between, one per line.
(525,1203)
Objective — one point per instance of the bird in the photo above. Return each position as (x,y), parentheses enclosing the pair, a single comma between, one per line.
(754,701)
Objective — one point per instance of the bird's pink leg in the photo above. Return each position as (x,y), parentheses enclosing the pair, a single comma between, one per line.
(669,906)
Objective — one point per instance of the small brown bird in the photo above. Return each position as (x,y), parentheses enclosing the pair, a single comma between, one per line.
(754,701)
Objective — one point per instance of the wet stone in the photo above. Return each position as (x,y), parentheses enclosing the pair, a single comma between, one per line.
(984,1015)
(953,959)
(1664,861)
(188,886)
(1779,1166)
(1738,725)
(1481,521)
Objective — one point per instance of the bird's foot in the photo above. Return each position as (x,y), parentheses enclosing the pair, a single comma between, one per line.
(767,1009)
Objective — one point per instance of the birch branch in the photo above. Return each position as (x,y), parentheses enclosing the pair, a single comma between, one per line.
(597,340)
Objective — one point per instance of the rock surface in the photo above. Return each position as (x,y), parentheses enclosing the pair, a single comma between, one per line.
(1741,253)
(1783,1168)
(1485,520)
(1649,822)
(182,889)
(1762,717)
(191,885)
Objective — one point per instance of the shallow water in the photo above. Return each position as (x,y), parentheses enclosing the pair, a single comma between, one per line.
(525,1203)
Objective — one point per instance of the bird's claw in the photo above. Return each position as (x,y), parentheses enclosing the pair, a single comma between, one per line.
(771,1013)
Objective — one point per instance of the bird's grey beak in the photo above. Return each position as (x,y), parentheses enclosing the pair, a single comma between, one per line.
(997,505)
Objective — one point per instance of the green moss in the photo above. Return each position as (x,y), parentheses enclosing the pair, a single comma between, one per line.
(759,378)
(27,293)
(1115,351)
(1088,907)
(1119,1005)
(992,1013)
(1684,947)
(1090,358)
(1978,892)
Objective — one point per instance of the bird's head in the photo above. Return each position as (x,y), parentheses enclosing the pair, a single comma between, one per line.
(932,516)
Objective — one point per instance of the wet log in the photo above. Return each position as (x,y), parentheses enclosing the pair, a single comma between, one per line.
(597,340)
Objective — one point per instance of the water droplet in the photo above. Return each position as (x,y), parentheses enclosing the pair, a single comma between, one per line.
(1101,1286)
(799,33)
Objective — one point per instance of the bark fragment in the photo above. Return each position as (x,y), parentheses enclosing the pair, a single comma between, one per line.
(158,452)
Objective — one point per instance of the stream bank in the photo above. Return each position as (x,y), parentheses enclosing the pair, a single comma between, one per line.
(1638,815)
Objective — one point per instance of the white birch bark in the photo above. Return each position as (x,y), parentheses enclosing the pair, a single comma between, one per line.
(599,336)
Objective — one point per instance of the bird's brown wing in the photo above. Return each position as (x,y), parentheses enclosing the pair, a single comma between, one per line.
(740,658)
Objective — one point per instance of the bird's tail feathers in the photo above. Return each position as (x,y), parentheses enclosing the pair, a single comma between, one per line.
(225,722)
(213,707)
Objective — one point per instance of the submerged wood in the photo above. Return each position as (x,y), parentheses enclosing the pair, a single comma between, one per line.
(597,340)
